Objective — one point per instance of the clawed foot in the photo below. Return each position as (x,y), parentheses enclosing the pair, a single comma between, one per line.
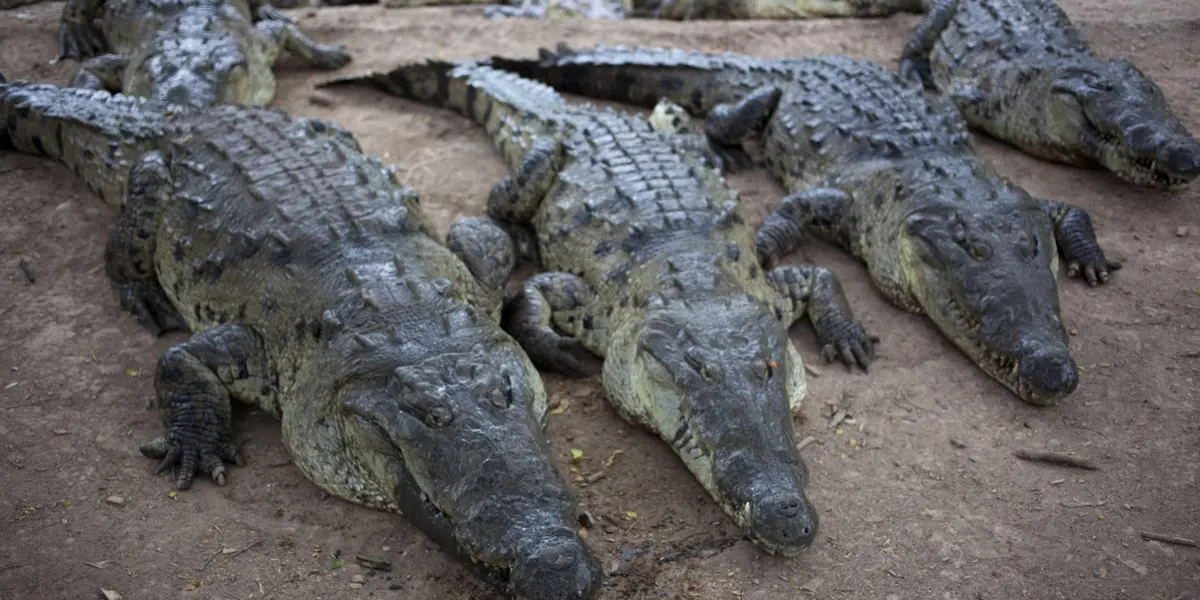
(562,355)
(190,456)
(1095,270)
(80,41)
(847,341)
(730,159)
(150,307)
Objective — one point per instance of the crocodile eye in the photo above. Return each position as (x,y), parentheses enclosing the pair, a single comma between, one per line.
(980,252)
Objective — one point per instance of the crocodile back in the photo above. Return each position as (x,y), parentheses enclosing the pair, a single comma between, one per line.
(993,36)
(270,215)
(839,111)
(626,196)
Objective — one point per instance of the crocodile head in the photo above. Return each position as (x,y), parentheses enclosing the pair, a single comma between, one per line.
(1112,114)
(195,74)
(456,434)
(987,280)
(719,379)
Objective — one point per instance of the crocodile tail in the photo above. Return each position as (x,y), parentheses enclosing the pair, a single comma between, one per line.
(643,76)
(97,135)
(495,99)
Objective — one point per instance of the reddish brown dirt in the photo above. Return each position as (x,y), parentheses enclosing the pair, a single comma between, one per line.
(929,502)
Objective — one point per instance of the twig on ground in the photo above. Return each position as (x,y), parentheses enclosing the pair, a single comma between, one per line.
(230,555)
(16,566)
(1054,458)
(1082,504)
(1169,539)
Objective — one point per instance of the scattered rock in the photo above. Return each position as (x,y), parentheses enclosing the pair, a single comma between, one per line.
(109,594)
(1135,566)
(356,586)
(813,585)
(360,578)
(957,444)
(1161,548)
(1181,232)
(115,500)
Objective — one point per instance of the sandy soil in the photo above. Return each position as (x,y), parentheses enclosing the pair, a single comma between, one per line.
(920,495)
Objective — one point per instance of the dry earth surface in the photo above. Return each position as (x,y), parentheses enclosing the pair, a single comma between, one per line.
(919,492)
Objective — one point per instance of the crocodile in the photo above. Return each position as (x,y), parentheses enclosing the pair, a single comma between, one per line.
(1022,72)
(647,264)
(874,165)
(193,53)
(671,10)
(317,292)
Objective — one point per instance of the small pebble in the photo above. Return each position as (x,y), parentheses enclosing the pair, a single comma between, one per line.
(387,548)
(320,99)
(356,586)
(116,500)
(1181,232)
(358,578)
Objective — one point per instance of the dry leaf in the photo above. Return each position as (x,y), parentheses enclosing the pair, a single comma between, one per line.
(110,595)
(561,408)
(613,456)
(576,454)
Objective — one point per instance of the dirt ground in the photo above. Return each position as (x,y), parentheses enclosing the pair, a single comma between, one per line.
(919,492)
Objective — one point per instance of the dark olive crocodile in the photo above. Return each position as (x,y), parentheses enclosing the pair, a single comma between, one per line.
(1021,71)
(877,168)
(186,52)
(317,292)
(671,10)
(648,262)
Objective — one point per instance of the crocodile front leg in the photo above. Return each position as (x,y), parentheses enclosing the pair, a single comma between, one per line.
(1077,242)
(486,249)
(278,35)
(815,293)
(566,301)
(914,61)
(821,210)
(78,36)
(518,195)
(101,73)
(129,254)
(194,382)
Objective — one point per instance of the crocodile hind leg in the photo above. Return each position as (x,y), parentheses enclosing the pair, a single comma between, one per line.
(101,73)
(820,210)
(674,120)
(195,382)
(815,293)
(518,195)
(566,301)
(914,61)
(78,36)
(277,35)
(1077,242)
(732,124)
(129,255)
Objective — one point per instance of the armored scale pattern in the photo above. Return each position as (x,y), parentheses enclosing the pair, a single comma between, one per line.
(877,168)
(648,262)
(1022,72)
(671,10)
(191,53)
(316,291)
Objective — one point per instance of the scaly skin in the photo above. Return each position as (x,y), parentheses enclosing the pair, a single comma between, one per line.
(671,10)
(648,263)
(317,292)
(878,169)
(193,53)
(1019,70)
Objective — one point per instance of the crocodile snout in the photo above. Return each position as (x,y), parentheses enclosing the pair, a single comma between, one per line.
(1049,374)
(1182,160)
(559,569)
(785,523)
